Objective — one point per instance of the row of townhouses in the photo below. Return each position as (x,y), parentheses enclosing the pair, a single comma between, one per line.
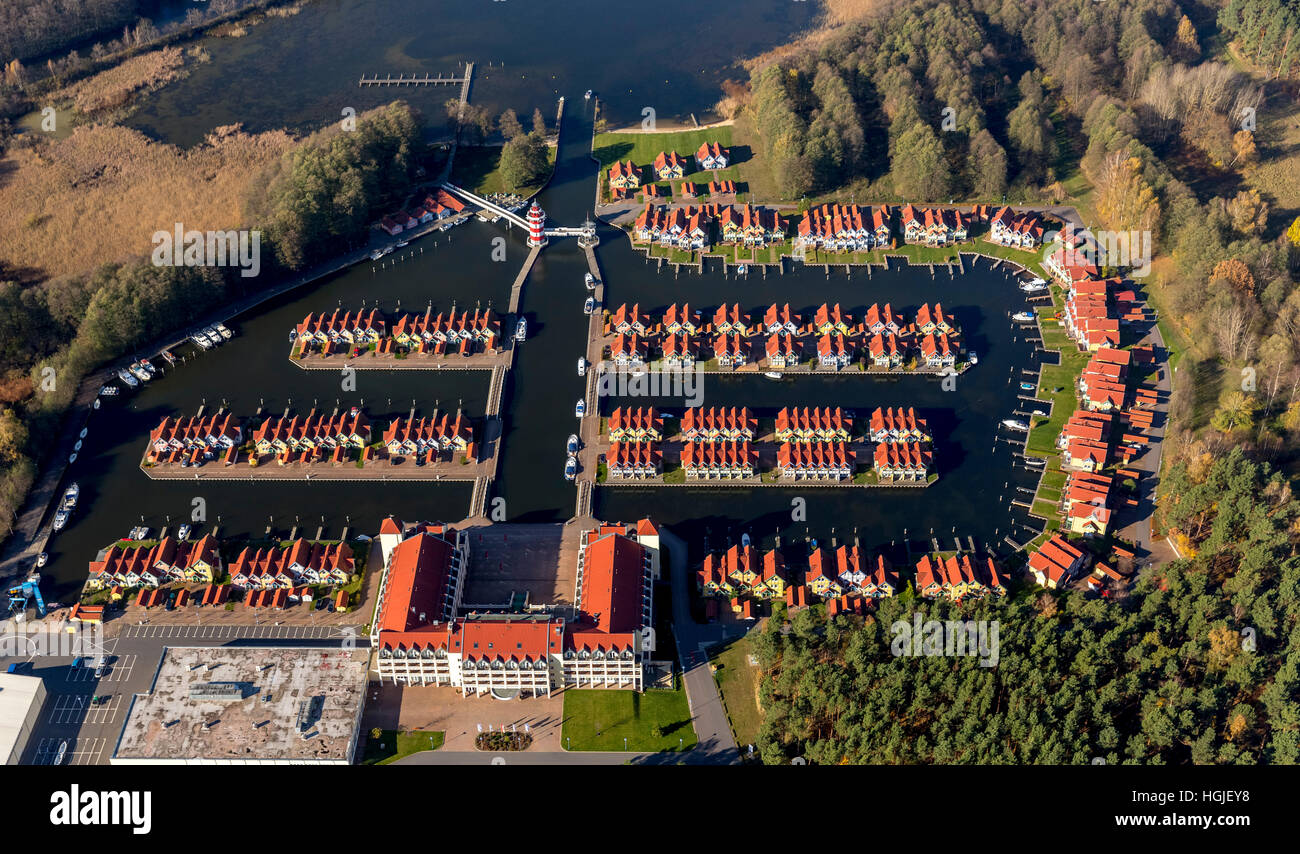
(280,434)
(701,226)
(906,461)
(206,435)
(958,578)
(421,333)
(832,337)
(170,560)
(422,638)
(435,206)
(427,438)
(301,562)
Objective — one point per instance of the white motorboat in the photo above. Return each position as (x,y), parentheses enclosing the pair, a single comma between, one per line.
(225,332)
(60,519)
(1031,287)
(377,254)
(139,532)
(582,367)
(70,496)
(572,445)
(293,335)
(521,330)
(571,468)
(140,373)
(1040,413)
(590,282)
(1013,424)
(974,357)
(1037,281)
(1023,317)
(213,335)
(1035,461)
(201,340)
(125,376)
(580,409)
(147,367)
(589,306)
(773,375)
(184,533)
(1028,387)
(402,244)
(588,95)
(42,559)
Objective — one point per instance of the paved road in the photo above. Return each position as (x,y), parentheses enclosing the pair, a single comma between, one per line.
(1138,527)
(717,744)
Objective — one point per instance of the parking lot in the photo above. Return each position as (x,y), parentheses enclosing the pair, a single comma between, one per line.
(81,751)
(118,669)
(218,632)
(78,709)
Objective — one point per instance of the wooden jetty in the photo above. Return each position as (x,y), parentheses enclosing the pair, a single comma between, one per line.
(413,80)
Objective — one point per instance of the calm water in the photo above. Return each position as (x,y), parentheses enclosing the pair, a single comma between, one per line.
(300,72)
(977,474)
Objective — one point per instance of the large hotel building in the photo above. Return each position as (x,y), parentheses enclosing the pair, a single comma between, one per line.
(422,639)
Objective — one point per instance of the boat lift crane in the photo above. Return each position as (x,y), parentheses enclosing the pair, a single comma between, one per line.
(29,590)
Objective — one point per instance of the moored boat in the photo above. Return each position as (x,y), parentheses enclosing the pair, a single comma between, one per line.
(1013,424)
(580,409)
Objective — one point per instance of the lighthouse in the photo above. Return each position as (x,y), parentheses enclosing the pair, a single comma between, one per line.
(536,225)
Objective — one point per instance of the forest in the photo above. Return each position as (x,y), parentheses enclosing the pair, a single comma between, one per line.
(1198,663)
(1180,119)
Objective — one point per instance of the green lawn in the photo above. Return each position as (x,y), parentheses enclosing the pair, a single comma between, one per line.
(738,681)
(601,720)
(477,169)
(642,148)
(393,745)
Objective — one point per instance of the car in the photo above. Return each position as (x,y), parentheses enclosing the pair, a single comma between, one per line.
(78,661)
(329,606)
(100,699)
(320,604)
(100,670)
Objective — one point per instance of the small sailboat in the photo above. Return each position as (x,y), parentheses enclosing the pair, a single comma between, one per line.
(589,306)
(1023,317)
(572,445)
(1013,424)
(580,409)
(521,329)
(571,468)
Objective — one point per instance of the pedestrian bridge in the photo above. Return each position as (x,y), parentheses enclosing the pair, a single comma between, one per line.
(587,230)
(491,207)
